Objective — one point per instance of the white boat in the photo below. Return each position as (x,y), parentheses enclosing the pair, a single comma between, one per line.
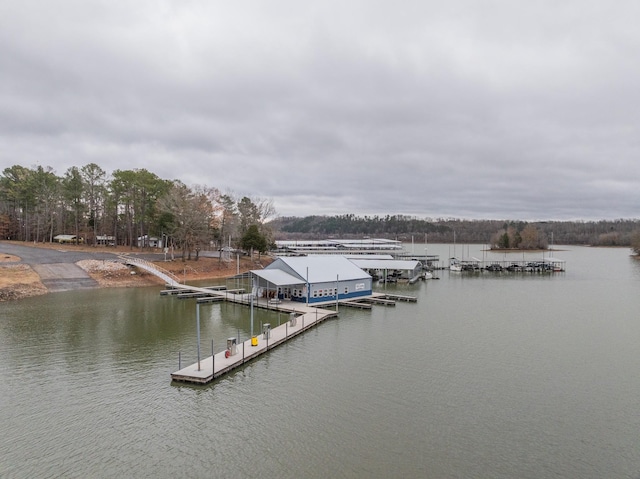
(423,275)
(554,264)
(454,264)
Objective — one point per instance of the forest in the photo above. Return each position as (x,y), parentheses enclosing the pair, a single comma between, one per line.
(496,233)
(127,207)
(131,206)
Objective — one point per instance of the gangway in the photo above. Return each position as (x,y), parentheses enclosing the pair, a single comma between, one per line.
(169,278)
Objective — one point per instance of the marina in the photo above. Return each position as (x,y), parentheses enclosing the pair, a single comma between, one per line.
(237,353)
(486,375)
(369,247)
(286,287)
(545,265)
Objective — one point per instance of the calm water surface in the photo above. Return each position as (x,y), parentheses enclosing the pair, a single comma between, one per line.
(488,376)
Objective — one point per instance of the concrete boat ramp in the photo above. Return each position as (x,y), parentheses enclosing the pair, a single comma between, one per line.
(302,318)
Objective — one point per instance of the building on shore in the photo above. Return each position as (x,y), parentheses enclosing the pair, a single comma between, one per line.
(312,279)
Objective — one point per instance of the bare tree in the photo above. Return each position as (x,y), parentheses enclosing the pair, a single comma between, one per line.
(191,215)
(94,178)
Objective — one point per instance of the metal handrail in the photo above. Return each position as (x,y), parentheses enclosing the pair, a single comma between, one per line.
(168,276)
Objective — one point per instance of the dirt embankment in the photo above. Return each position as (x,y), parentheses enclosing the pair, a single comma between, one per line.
(18,280)
(111,273)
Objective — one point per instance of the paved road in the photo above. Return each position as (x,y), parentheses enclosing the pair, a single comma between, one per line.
(56,267)
(64,254)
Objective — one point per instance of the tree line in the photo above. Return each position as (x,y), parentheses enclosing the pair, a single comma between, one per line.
(496,233)
(129,207)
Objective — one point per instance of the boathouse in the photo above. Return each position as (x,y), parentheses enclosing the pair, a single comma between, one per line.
(312,279)
(384,267)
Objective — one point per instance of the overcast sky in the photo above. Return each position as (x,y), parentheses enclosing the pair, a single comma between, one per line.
(495,109)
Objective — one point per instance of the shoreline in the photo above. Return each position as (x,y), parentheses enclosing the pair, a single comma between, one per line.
(18,278)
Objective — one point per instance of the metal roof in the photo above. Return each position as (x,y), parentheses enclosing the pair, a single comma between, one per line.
(386,264)
(368,256)
(320,268)
(551,259)
(277,277)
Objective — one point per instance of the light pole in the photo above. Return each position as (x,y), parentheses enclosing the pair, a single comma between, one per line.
(198,331)
(252,307)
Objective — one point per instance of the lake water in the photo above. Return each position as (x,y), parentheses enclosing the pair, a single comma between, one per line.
(486,376)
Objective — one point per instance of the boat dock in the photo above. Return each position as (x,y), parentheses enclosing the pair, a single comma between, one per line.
(546,265)
(218,364)
(302,317)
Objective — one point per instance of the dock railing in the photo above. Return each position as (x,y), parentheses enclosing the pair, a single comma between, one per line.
(168,276)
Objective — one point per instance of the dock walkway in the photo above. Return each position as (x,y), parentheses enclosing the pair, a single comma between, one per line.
(221,363)
(303,317)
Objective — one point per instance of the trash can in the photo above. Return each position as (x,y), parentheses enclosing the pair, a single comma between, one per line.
(293,319)
(266,330)
(254,340)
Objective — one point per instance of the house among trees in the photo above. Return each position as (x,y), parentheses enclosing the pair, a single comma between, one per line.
(105,240)
(68,239)
(312,279)
(147,241)
(133,207)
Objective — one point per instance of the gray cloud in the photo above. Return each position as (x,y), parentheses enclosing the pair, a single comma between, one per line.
(479,110)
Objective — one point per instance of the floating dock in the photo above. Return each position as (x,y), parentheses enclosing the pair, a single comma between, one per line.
(219,364)
(235,355)
(303,317)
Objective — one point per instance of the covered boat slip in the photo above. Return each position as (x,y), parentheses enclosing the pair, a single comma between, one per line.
(338,246)
(544,265)
(318,279)
(382,267)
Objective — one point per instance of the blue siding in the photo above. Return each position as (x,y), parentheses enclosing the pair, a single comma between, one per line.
(324,299)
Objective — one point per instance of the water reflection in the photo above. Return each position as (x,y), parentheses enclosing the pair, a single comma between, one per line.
(497,375)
